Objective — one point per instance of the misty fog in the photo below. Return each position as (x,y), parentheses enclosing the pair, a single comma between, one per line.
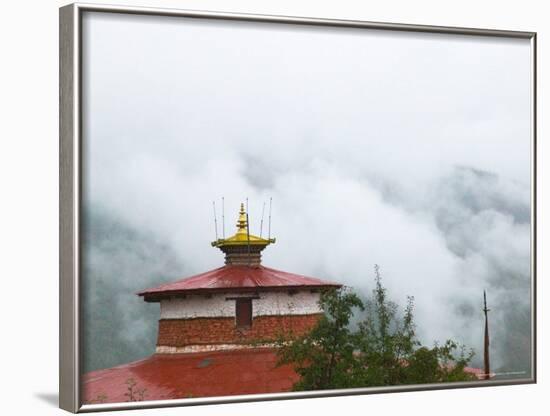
(411,151)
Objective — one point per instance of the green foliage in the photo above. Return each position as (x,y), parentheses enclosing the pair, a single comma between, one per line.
(134,394)
(383,351)
(324,357)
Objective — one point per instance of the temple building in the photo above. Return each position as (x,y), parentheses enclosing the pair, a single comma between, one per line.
(240,304)
(217,329)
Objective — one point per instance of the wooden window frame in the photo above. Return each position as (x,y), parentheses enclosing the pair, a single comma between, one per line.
(241,303)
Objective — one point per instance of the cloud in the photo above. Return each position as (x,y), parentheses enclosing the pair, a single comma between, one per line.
(406,150)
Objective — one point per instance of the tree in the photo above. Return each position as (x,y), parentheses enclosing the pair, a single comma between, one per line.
(383,351)
(324,357)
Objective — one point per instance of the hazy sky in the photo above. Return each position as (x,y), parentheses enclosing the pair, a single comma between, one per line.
(411,151)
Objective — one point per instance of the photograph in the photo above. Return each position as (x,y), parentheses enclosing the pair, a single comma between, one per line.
(272,208)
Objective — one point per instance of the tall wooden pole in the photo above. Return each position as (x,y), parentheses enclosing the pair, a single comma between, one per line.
(487,366)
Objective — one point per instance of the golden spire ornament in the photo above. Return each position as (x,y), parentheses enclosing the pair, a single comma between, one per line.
(242,248)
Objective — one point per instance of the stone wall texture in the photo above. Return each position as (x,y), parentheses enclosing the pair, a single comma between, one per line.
(222,330)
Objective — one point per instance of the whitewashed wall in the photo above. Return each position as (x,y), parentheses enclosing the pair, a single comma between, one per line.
(269,303)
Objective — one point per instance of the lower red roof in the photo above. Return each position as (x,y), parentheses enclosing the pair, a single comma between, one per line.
(177,376)
(237,278)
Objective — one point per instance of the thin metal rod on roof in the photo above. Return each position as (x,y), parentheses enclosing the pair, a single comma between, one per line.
(269,221)
(262,221)
(215,220)
(223,218)
(248,232)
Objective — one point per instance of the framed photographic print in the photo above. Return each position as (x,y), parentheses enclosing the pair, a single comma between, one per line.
(268,207)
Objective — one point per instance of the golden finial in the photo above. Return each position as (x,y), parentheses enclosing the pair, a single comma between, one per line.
(242,237)
(241,223)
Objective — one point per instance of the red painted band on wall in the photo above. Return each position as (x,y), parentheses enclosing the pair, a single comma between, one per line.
(182,332)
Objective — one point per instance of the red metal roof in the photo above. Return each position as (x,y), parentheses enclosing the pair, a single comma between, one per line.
(236,278)
(177,376)
(208,374)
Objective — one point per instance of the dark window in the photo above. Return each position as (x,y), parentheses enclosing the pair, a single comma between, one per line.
(244,313)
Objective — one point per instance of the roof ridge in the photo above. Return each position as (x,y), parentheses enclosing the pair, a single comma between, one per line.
(179,280)
(236,278)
